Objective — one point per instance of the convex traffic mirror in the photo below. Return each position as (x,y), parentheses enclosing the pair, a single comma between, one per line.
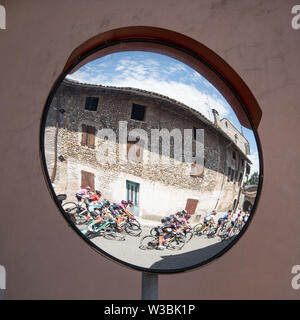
(150,162)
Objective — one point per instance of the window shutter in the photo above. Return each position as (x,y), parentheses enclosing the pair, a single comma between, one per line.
(84,135)
(91,136)
(191,206)
(87,179)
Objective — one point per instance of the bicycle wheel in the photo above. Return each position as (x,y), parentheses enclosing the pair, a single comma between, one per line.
(198,229)
(177,242)
(111,233)
(211,231)
(134,221)
(70,207)
(148,242)
(133,229)
(153,231)
(188,235)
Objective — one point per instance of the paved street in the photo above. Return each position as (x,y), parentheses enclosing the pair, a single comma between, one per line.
(194,252)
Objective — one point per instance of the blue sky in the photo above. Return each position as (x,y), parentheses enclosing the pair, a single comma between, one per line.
(164,75)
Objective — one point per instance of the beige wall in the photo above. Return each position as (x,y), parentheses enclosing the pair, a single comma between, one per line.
(44,258)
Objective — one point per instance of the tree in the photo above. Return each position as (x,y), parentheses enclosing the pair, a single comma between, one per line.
(254,179)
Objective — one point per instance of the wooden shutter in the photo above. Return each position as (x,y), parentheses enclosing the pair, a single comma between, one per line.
(88,136)
(91,131)
(84,135)
(87,179)
(191,205)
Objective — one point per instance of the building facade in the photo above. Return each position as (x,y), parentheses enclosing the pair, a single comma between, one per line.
(77,150)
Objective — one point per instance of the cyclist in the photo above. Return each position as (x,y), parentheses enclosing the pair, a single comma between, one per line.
(225,217)
(164,230)
(208,219)
(93,203)
(187,216)
(234,223)
(116,210)
(82,193)
(246,217)
(130,207)
(123,207)
(160,234)
(95,196)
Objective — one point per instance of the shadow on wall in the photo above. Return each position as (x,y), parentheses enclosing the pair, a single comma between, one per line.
(184,260)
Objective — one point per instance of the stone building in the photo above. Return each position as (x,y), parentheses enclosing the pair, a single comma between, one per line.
(77,151)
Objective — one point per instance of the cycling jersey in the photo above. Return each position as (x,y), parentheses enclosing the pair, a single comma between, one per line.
(224,216)
(83,191)
(114,209)
(209,217)
(94,197)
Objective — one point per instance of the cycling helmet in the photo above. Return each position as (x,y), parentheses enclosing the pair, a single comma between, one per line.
(168,219)
(98,193)
(88,188)
(187,216)
(172,216)
(184,211)
(106,202)
(163,220)
(124,202)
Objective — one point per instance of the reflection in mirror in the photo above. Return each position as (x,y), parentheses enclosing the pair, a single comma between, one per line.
(149,161)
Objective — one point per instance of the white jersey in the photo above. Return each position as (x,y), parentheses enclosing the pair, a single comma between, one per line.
(209,217)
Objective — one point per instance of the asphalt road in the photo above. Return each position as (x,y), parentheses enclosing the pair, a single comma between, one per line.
(197,250)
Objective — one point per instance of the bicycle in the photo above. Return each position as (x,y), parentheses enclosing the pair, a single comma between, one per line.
(187,232)
(176,241)
(75,210)
(106,228)
(131,226)
(198,228)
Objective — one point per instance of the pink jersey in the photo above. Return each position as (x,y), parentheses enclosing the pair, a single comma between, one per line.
(120,205)
(83,191)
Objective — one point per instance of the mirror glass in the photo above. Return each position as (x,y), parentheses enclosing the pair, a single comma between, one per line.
(149,160)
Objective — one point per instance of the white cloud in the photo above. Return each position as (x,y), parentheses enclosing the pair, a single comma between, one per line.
(255,163)
(181,92)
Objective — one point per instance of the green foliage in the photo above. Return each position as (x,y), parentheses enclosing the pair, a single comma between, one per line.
(254,179)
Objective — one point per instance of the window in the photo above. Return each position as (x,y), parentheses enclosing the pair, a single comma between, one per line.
(91,103)
(138,112)
(243,163)
(87,179)
(88,136)
(132,190)
(194,133)
(232,175)
(240,177)
(234,155)
(248,169)
(229,173)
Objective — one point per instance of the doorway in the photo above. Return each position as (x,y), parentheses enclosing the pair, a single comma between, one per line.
(132,189)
